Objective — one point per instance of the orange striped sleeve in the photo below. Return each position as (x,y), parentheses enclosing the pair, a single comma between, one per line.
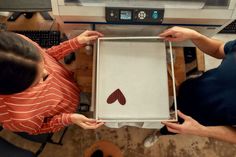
(65,48)
(55,124)
(46,107)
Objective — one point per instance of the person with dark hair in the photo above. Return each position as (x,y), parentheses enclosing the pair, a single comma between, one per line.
(37,94)
(18,61)
(207,101)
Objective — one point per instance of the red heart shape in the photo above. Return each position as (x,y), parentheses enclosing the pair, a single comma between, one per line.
(116,95)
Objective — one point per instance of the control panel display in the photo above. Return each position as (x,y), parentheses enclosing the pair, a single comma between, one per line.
(134,15)
(125,15)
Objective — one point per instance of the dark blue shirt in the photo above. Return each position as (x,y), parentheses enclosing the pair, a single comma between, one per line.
(211,98)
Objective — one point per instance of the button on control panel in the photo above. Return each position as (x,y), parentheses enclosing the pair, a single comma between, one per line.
(155,14)
(142,15)
(134,15)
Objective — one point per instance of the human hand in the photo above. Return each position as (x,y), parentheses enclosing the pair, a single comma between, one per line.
(88,36)
(84,122)
(190,126)
(179,34)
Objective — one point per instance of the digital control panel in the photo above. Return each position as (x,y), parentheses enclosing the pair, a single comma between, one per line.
(134,15)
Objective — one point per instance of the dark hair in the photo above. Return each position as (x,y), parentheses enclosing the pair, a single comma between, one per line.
(18,63)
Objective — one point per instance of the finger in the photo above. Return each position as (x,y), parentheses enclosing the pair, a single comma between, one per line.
(92,38)
(100,121)
(85,119)
(172,125)
(96,123)
(87,126)
(83,125)
(94,33)
(171,39)
(100,124)
(90,120)
(91,123)
(183,116)
(173,130)
(85,32)
(167,33)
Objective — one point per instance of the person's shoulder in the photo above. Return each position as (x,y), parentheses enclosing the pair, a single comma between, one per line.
(230,46)
(230,43)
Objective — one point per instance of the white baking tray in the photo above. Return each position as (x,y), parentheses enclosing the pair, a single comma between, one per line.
(137,68)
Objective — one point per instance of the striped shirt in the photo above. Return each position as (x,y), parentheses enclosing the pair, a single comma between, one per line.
(47,106)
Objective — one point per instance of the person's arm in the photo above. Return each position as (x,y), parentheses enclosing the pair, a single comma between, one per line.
(65,48)
(60,51)
(212,47)
(37,125)
(192,127)
(224,133)
(58,122)
(55,123)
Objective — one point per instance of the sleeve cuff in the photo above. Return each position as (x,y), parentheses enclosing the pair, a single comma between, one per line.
(66,119)
(74,44)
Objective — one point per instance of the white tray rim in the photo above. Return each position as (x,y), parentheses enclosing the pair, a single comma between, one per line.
(97,74)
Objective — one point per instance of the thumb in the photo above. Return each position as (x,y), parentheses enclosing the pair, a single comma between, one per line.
(91,38)
(183,116)
(167,33)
